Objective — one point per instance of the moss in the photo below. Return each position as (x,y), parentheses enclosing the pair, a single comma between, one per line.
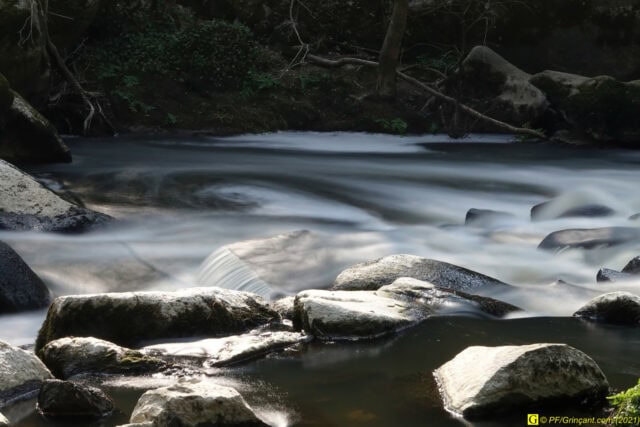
(627,403)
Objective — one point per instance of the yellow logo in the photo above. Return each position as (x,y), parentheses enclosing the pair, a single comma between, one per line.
(533,419)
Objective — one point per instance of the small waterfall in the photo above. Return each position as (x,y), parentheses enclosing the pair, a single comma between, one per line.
(225,270)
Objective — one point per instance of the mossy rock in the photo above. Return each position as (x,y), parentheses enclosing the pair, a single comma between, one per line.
(606,109)
(6,98)
(28,137)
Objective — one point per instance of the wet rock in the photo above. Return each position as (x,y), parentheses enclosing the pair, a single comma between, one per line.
(229,350)
(632,267)
(147,424)
(494,82)
(64,399)
(284,307)
(608,275)
(130,317)
(589,238)
(193,404)
(29,137)
(484,382)
(614,307)
(486,217)
(21,373)
(66,357)
(372,275)
(4,422)
(368,314)
(20,287)
(27,205)
(547,211)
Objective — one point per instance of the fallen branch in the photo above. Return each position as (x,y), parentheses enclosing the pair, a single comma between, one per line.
(337,63)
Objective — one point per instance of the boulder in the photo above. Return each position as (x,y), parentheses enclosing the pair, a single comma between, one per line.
(193,404)
(608,275)
(28,137)
(548,210)
(70,356)
(20,287)
(486,217)
(491,83)
(130,317)
(633,266)
(21,374)
(615,307)
(485,382)
(284,307)
(25,204)
(368,314)
(589,238)
(372,275)
(24,60)
(229,350)
(601,107)
(64,399)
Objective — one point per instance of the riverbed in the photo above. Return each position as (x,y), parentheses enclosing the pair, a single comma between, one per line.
(179,199)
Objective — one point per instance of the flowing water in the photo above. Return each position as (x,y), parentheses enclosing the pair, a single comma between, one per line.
(181,199)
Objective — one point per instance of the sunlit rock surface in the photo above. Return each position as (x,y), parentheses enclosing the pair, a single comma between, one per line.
(484,382)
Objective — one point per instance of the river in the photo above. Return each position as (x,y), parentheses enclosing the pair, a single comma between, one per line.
(181,198)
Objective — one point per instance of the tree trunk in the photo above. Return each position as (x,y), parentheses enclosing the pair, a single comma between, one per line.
(390,52)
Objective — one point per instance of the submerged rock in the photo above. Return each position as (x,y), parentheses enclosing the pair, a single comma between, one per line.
(547,211)
(589,238)
(130,317)
(21,373)
(372,275)
(194,404)
(66,357)
(486,217)
(485,382)
(368,314)
(615,307)
(20,287)
(608,275)
(27,205)
(64,399)
(229,350)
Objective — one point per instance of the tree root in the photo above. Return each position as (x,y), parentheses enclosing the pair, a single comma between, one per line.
(93,106)
(340,62)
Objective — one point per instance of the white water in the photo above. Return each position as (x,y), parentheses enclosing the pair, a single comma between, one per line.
(367,195)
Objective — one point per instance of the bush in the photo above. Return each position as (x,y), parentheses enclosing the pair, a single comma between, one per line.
(627,403)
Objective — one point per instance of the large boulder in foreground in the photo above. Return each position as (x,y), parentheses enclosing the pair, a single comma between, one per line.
(64,399)
(372,275)
(369,314)
(28,137)
(20,287)
(492,84)
(130,317)
(25,204)
(21,373)
(485,382)
(614,307)
(194,404)
(70,356)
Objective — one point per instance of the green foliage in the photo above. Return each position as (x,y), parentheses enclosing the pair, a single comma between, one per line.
(396,125)
(627,403)
(172,120)
(444,62)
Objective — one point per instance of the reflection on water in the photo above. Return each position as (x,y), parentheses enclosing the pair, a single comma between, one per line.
(181,200)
